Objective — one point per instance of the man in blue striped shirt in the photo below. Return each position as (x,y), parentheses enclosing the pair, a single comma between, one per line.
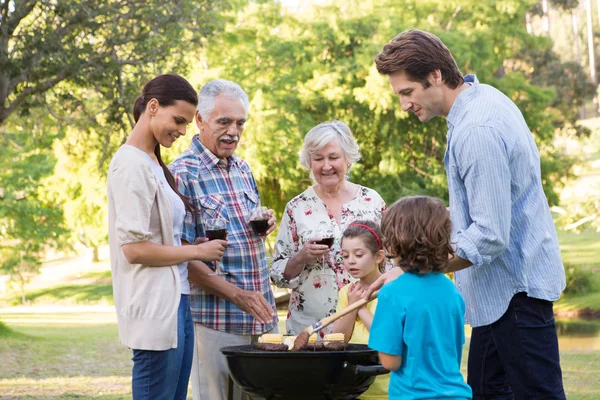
(508,265)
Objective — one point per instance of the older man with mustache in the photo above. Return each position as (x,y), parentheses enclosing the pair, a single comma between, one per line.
(236,307)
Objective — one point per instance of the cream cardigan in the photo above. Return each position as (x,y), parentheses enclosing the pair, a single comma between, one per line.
(146,298)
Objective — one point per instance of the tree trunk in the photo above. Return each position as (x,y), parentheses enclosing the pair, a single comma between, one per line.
(575,23)
(95,257)
(591,52)
(545,17)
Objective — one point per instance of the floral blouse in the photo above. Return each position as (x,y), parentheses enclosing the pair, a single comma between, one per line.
(315,291)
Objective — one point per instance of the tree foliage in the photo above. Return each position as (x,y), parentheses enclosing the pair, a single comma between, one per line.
(69,72)
(304,69)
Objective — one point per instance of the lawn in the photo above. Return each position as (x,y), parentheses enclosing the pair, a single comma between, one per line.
(77,355)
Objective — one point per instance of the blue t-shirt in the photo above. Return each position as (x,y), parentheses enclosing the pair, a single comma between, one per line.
(421,319)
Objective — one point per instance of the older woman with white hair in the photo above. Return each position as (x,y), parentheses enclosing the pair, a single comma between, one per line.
(303,260)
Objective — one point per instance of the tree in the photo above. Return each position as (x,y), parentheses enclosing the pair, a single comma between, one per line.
(31,218)
(89,43)
(74,67)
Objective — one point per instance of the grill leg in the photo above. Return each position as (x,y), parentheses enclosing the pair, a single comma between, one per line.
(230,389)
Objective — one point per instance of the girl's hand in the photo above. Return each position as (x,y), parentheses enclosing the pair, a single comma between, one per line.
(355,293)
(210,250)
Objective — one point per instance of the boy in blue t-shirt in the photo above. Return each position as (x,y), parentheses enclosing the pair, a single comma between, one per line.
(418,327)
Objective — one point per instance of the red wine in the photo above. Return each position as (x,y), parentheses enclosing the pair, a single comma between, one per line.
(260,226)
(213,234)
(326,241)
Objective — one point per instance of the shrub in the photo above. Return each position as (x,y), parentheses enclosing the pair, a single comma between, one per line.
(579,280)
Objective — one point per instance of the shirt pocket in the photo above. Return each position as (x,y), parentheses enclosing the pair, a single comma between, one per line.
(252,200)
(213,206)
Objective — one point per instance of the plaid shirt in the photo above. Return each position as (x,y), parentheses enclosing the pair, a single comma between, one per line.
(228,190)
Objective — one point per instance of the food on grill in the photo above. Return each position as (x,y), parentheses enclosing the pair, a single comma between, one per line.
(289,341)
(274,338)
(334,337)
(325,346)
(271,346)
(318,346)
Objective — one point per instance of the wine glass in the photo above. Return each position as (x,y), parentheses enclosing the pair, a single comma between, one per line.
(216,228)
(326,234)
(258,219)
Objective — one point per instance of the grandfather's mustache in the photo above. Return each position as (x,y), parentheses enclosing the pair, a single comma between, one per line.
(227,138)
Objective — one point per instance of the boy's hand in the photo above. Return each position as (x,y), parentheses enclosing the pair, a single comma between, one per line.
(383,279)
(355,293)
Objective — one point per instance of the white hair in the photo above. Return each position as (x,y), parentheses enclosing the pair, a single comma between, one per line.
(208,92)
(323,134)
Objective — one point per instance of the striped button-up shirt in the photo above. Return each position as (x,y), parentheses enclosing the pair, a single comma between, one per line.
(500,215)
(224,189)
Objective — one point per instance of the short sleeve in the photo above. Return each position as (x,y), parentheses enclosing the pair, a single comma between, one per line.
(342,302)
(286,246)
(387,328)
(133,190)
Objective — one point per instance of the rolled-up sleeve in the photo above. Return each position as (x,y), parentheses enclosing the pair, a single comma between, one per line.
(485,172)
(133,190)
(188,228)
(286,247)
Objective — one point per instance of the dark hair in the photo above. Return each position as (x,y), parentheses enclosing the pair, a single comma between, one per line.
(166,89)
(416,230)
(418,54)
(370,239)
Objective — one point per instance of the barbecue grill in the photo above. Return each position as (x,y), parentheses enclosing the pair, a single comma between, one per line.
(303,375)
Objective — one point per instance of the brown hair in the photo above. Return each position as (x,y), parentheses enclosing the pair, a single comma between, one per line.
(166,89)
(416,230)
(370,236)
(418,54)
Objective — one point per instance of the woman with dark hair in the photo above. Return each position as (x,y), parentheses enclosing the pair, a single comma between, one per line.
(149,265)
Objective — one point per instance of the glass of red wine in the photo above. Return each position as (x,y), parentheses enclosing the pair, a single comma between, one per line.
(216,228)
(259,220)
(326,233)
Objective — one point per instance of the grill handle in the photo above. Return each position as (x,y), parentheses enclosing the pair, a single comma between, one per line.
(366,370)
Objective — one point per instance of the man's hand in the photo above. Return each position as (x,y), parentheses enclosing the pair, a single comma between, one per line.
(383,279)
(254,304)
(272,221)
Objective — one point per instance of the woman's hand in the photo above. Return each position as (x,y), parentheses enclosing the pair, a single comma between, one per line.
(210,250)
(311,251)
(355,293)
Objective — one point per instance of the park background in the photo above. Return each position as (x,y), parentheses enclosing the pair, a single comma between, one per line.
(70,71)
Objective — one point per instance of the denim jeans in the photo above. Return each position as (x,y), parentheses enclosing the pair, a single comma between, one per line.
(517,356)
(164,375)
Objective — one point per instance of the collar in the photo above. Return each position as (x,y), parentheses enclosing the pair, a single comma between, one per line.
(209,159)
(457,111)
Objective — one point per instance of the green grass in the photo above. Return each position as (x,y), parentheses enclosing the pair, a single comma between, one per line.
(580,249)
(73,294)
(63,355)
